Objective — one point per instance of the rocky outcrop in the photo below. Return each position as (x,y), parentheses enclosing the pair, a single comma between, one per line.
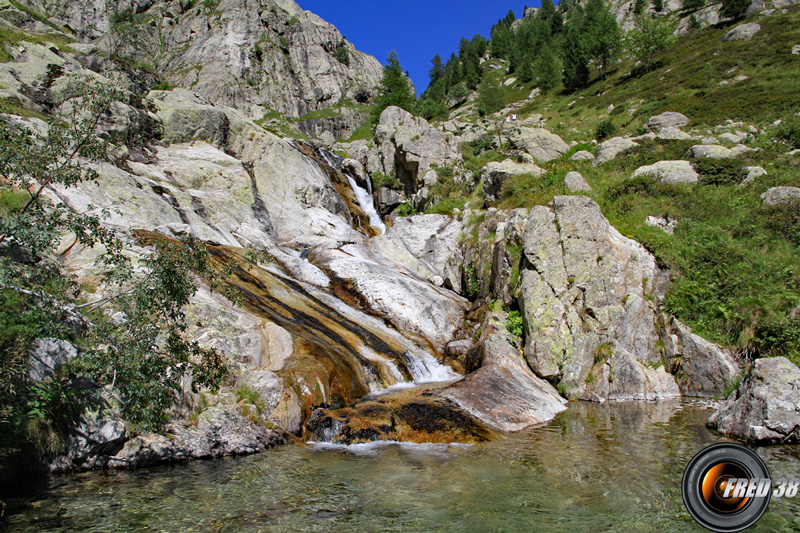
(711,151)
(408,147)
(766,406)
(676,172)
(495,175)
(781,195)
(611,148)
(590,297)
(47,355)
(541,144)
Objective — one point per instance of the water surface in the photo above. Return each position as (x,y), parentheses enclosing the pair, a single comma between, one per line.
(612,467)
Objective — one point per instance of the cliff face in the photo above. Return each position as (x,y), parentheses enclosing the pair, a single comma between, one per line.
(256,55)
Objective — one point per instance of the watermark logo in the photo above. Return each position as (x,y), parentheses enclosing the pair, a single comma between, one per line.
(727,487)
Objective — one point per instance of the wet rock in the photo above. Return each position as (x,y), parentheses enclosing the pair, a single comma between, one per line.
(766,406)
(744,32)
(781,195)
(611,148)
(669,119)
(677,172)
(495,175)
(411,303)
(575,182)
(541,144)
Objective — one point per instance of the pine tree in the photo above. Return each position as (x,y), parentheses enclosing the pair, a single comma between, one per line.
(437,69)
(548,69)
(735,9)
(576,60)
(394,88)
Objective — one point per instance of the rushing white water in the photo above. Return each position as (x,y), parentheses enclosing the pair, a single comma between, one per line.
(367,204)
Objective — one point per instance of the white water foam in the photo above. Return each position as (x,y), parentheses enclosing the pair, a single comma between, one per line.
(368,205)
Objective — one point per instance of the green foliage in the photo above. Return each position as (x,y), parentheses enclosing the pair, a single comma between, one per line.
(382,180)
(735,9)
(490,98)
(514,324)
(649,38)
(785,220)
(343,54)
(601,34)
(406,209)
(246,394)
(394,88)
(658,5)
(576,59)
(210,5)
(606,129)
(548,70)
(720,171)
(693,5)
(789,131)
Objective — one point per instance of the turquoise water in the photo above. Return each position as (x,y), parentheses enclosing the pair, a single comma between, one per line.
(612,467)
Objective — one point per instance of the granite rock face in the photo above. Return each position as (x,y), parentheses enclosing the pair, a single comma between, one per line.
(589,297)
(766,406)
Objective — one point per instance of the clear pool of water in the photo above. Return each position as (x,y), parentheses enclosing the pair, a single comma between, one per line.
(612,467)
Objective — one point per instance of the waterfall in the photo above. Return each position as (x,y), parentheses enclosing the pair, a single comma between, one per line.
(367,204)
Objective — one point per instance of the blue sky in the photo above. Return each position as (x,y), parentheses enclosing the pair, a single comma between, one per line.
(415,29)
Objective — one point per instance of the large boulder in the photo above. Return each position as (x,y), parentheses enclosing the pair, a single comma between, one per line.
(503,393)
(781,195)
(47,355)
(677,172)
(668,119)
(744,32)
(766,406)
(408,147)
(611,148)
(590,298)
(496,174)
(541,144)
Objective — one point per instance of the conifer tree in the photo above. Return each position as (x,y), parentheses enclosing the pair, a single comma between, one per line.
(576,59)
(394,88)
(735,9)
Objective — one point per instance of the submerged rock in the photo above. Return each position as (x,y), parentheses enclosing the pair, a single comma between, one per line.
(766,406)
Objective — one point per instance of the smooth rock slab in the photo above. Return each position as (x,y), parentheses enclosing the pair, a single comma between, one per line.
(541,144)
(678,172)
(766,406)
(781,195)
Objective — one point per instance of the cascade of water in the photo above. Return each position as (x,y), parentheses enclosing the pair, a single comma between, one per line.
(367,204)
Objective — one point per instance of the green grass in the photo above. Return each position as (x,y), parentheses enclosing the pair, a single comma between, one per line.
(328,112)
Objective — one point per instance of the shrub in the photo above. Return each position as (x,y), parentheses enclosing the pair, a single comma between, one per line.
(785,220)
(720,171)
(406,209)
(382,180)
(605,130)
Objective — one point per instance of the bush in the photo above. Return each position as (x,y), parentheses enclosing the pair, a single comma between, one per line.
(406,209)
(720,171)
(605,130)
(785,220)
(382,180)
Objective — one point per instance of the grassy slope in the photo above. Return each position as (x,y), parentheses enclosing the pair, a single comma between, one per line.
(735,263)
